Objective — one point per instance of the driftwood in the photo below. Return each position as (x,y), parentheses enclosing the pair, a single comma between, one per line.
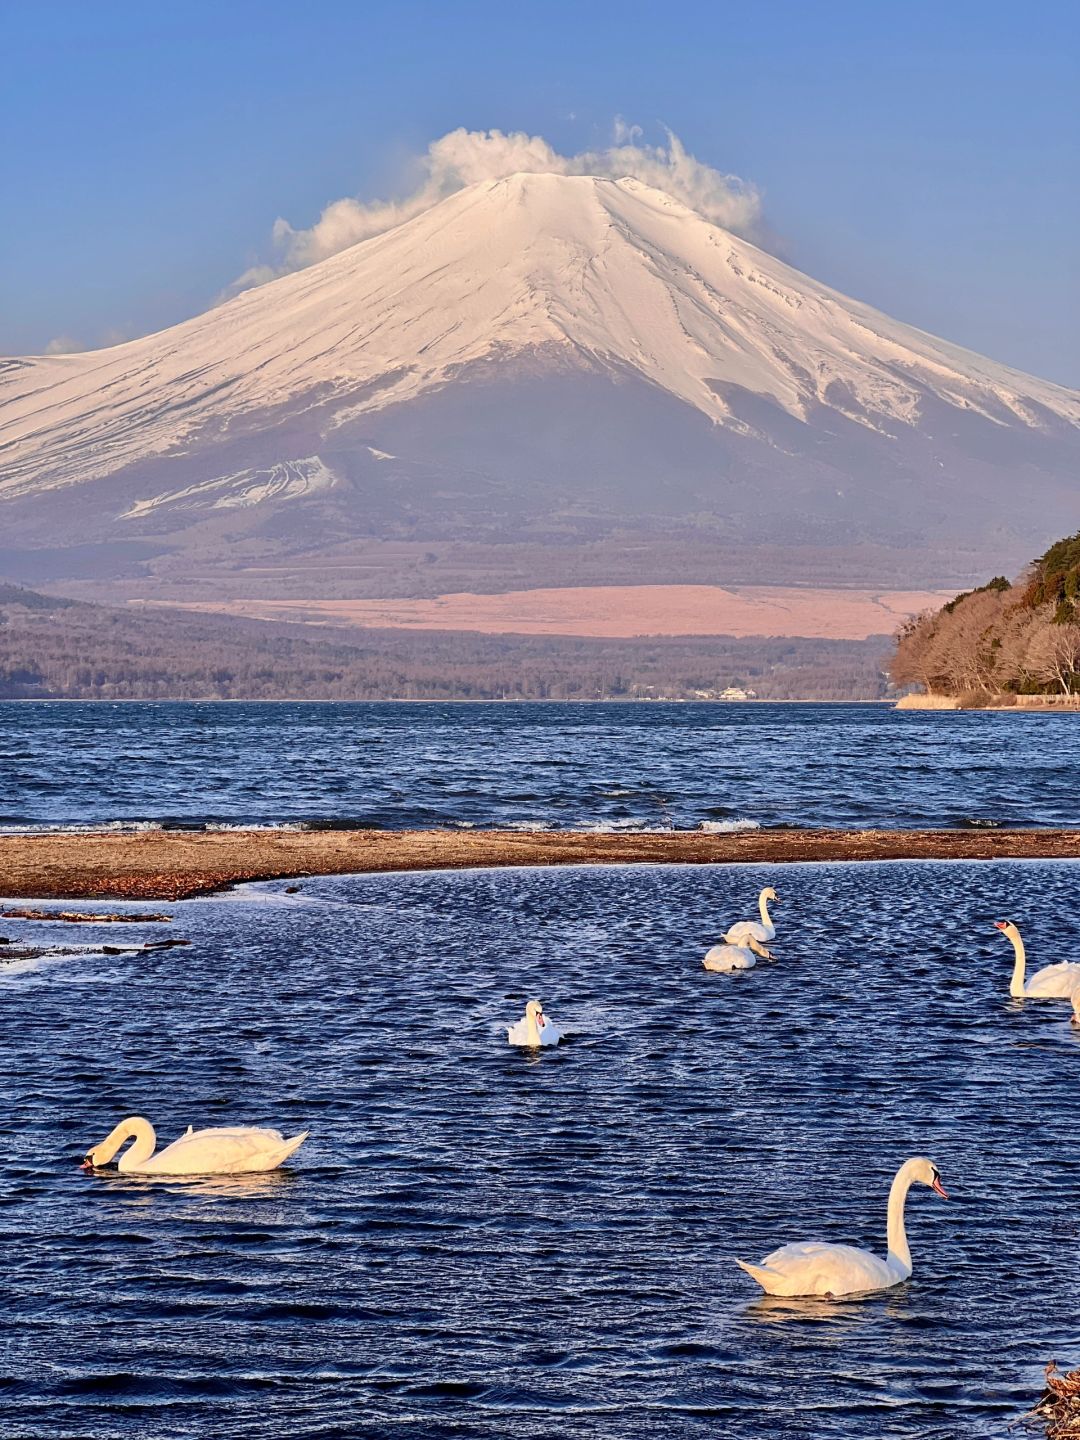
(84,917)
(1059,1406)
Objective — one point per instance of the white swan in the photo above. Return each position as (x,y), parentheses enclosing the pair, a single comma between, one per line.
(235,1150)
(812,1268)
(1052,982)
(535,1028)
(763,929)
(727,958)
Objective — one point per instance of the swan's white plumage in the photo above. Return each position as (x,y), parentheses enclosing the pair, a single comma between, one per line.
(1054,982)
(1060,981)
(534,1028)
(814,1268)
(762,930)
(811,1267)
(726,959)
(220,1150)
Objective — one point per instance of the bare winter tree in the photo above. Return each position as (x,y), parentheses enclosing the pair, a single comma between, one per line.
(1053,654)
(916,661)
(957,652)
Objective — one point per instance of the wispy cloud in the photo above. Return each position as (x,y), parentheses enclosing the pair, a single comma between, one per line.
(466,157)
(70,345)
(64,345)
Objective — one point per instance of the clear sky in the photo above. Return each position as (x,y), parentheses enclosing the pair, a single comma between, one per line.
(924,157)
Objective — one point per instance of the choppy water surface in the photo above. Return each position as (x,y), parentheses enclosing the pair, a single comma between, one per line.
(580,766)
(480,1242)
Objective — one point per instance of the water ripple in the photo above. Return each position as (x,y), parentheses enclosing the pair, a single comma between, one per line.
(600,766)
(480,1241)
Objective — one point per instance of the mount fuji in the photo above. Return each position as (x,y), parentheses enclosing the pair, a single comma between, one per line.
(541,378)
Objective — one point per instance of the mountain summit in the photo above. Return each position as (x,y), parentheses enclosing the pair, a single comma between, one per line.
(540,370)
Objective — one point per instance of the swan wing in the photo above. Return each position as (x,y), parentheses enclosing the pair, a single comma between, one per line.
(769,1280)
(814,1268)
(726,958)
(746,930)
(1055,982)
(225,1150)
(551,1034)
(517,1034)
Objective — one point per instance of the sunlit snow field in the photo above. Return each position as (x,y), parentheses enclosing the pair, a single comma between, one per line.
(481,1241)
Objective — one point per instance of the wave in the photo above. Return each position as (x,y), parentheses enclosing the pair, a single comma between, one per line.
(627,824)
(631,824)
(728,827)
(138,827)
(120,827)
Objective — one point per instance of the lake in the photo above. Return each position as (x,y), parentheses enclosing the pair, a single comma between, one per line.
(481,1241)
(599,766)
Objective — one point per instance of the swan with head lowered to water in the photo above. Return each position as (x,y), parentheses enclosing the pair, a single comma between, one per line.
(763,930)
(812,1268)
(1053,982)
(534,1028)
(224,1150)
(728,958)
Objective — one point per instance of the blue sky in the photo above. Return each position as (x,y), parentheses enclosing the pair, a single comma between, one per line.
(923,157)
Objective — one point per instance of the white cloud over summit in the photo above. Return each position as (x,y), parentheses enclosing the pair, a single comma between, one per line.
(466,157)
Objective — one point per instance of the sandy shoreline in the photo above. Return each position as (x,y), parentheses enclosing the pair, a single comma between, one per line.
(167,865)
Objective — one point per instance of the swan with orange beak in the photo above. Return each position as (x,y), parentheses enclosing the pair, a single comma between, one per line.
(1052,982)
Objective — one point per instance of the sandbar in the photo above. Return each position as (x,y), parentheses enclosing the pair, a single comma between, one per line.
(176,865)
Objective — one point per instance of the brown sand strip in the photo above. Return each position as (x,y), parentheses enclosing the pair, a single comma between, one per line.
(159,865)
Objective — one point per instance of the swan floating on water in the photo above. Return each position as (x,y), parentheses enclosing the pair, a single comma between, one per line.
(764,929)
(1052,982)
(829,1271)
(728,958)
(224,1150)
(535,1028)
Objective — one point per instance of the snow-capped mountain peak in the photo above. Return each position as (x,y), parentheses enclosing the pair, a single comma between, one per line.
(609,271)
(376,368)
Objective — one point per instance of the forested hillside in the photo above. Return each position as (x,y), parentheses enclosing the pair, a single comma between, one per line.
(1004,638)
(54,648)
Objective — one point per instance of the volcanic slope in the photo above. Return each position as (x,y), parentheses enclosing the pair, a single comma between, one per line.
(540,371)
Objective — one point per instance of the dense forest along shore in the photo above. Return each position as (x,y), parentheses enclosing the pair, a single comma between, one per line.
(166,865)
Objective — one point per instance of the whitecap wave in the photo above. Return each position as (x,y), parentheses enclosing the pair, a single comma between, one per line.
(728,827)
(121,827)
(630,824)
(219,826)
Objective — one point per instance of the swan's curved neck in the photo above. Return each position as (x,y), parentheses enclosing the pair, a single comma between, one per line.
(137,1129)
(532,1030)
(899,1254)
(763,908)
(1016,984)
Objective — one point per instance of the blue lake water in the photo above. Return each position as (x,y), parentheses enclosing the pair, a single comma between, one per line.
(481,1242)
(532,765)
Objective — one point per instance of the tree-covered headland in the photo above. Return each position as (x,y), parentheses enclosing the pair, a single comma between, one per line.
(1018,638)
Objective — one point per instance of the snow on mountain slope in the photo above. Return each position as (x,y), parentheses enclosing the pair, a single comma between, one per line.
(562,270)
